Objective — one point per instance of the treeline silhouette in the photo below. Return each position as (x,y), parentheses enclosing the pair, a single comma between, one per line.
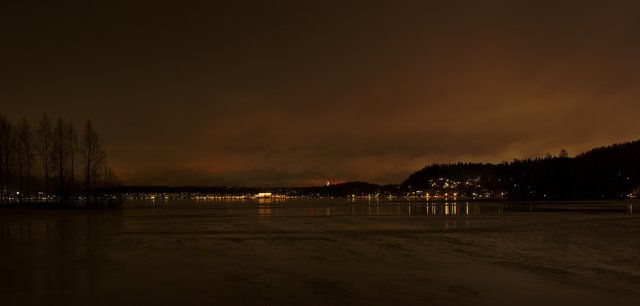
(606,172)
(52,162)
(338,190)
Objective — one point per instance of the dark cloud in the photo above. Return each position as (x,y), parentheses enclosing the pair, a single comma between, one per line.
(283,92)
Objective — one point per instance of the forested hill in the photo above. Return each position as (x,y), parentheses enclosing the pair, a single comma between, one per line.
(606,172)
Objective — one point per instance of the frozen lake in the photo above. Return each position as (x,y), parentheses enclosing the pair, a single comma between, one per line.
(322,252)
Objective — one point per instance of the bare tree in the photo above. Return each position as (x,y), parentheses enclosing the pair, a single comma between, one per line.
(110,177)
(60,154)
(6,146)
(24,139)
(44,147)
(93,155)
(73,153)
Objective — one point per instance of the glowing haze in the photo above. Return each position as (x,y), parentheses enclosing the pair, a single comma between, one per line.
(285,92)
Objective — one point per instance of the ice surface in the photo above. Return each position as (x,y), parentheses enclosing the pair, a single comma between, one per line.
(322,253)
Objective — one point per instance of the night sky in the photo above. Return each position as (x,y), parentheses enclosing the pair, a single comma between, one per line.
(285,92)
